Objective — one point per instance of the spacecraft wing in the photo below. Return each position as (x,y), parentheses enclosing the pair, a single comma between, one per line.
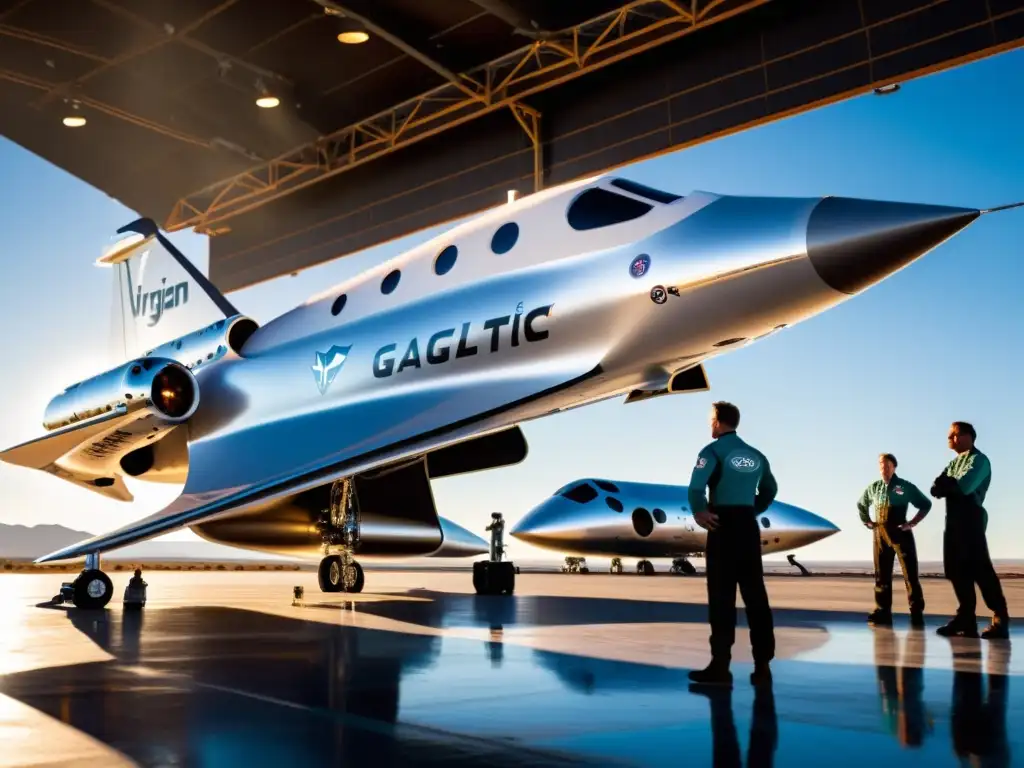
(42,451)
(193,507)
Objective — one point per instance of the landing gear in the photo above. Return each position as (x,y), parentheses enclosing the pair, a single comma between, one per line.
(340,573)
(339,527)
(495,576)
(92,589)
(683,566)
(645,568)
(575,565)
(616,565)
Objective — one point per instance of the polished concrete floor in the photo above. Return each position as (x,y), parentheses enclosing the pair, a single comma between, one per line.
(222,669)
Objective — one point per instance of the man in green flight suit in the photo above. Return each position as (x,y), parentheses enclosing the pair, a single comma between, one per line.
(965,558)
(894,538)
(741,487)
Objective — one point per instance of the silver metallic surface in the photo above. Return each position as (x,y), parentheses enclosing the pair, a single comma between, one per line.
(647,520)
(291,530)
(209,344)
(388,367)
(458,542)
(124,389)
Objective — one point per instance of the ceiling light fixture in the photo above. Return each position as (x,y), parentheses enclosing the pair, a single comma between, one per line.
(511,196)
(74,120)
(265,100)
(885,90)
(353,37)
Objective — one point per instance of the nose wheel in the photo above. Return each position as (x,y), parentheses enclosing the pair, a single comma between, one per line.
(338,573)
(645,568)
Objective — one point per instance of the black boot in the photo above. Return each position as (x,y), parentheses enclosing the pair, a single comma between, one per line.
(999,629)
(917,620)
(880,618)
(960,626)
(715,673)
(762,674)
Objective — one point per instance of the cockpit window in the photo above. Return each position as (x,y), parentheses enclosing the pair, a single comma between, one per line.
(644,191)
(600,208)
(581,493)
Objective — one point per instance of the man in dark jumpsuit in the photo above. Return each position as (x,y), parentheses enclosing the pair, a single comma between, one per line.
(965,558)
(894,538)
(741,487)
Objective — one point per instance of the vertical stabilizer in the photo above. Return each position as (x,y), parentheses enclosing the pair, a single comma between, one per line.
(159,295)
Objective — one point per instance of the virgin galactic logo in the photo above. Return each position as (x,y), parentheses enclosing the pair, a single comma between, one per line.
(328,365)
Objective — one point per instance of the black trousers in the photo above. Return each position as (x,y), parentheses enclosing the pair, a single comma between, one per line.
(733,558)
(890,543)
(966,562)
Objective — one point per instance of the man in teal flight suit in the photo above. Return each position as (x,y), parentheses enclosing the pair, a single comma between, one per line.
(741,486)
(894,538)
(965,557)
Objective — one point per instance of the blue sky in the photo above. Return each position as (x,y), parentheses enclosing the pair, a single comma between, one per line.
(886,371)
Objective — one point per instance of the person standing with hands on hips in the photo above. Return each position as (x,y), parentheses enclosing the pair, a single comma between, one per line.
(741,486)
(894,538)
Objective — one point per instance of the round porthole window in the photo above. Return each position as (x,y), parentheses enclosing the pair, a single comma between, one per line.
(505,238)
(446,260)
(642,522)
(389,283)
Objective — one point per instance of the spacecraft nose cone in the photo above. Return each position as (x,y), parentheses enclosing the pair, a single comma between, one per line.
(853,243)
(542,525)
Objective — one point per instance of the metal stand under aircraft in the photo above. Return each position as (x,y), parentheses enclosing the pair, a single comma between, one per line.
(339,527)
(495,576)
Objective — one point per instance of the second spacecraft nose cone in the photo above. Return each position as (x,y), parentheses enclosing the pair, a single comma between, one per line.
(855,243)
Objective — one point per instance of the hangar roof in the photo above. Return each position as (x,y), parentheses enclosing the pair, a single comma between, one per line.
(441,107)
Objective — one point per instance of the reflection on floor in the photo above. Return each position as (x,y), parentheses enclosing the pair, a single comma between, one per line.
(217,685)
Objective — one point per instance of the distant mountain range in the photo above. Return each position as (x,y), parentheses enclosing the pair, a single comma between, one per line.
(20,542)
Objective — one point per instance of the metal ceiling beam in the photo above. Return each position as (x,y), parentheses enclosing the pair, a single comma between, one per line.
(466,85)
(23,34)
(638,26)
(521,23)
(112,111)
(162,39)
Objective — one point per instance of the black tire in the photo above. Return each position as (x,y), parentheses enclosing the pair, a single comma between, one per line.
(354,578)
(328,575)
(689,569)
(93,590)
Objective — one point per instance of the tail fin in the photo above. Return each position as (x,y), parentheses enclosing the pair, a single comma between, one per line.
(159,294)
